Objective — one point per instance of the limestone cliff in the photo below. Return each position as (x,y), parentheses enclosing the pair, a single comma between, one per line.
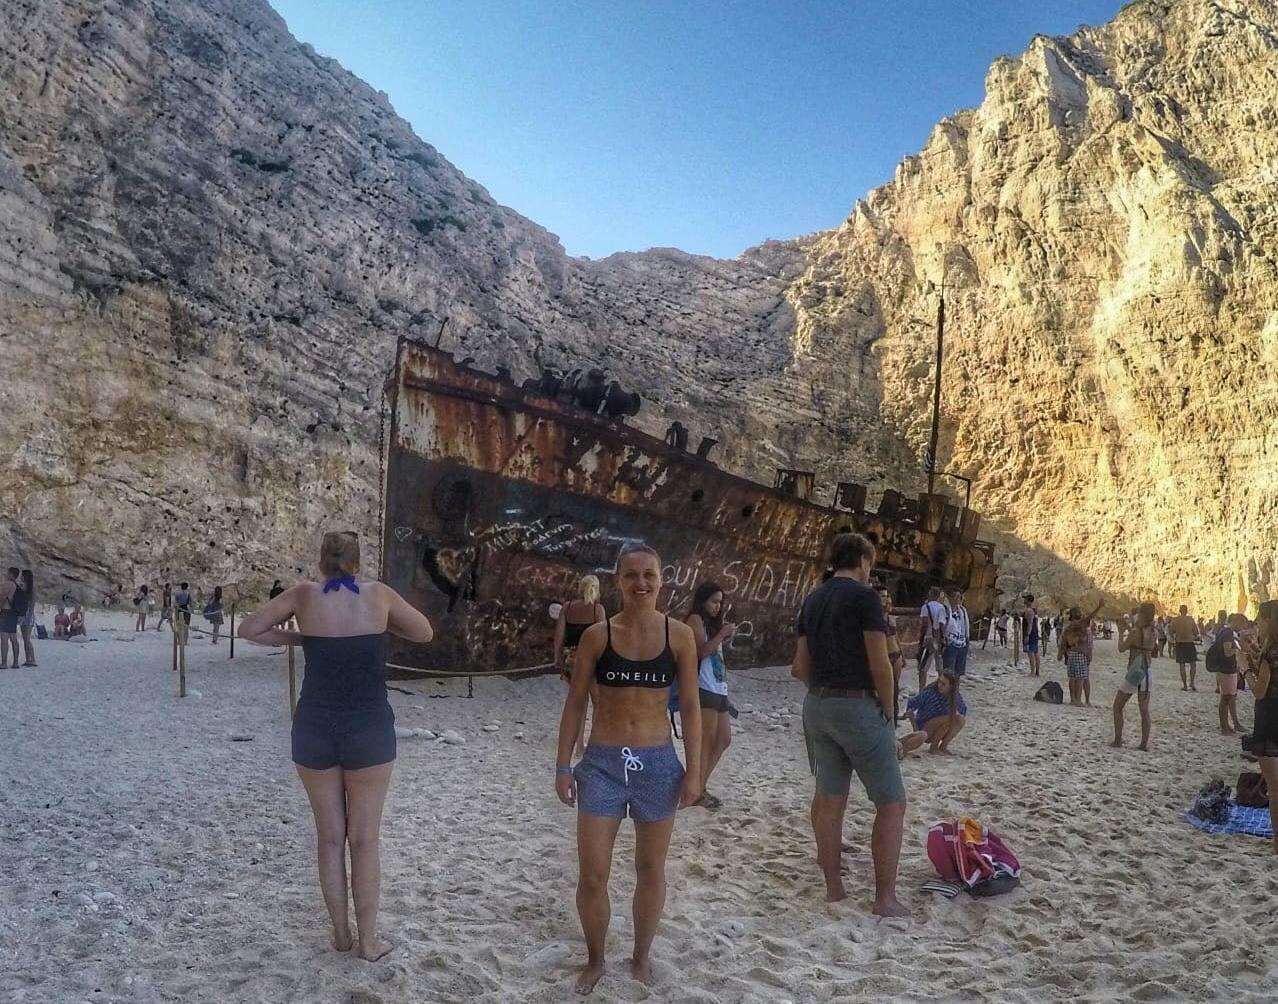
(212,236)
(1106,226)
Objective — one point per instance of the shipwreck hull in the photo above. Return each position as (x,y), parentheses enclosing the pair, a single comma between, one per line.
(498,500)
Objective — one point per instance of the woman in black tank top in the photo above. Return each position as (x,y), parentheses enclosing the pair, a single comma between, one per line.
(630,766)
(570,625)
(343,735)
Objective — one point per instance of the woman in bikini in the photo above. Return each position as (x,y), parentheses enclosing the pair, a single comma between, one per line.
(344,730)
(574,617)
(1138,643)
(895,655)
(630,767)
(711,632)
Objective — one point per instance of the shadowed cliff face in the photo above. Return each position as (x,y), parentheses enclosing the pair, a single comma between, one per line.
(213,235)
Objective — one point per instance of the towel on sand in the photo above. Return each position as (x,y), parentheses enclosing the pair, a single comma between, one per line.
(1241,820)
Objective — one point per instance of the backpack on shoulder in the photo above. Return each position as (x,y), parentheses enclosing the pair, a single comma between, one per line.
(1216,660)
(1050,693)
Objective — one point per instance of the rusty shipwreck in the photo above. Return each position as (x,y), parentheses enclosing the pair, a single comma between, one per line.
(498,498)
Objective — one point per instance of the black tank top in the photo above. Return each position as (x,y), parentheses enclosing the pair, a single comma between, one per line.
(614,671)
(573,630)
(346,672)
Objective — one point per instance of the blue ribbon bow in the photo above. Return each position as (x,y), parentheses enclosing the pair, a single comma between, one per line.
(346,580)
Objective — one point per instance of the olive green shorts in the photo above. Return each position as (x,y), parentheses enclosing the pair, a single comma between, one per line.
(847,735)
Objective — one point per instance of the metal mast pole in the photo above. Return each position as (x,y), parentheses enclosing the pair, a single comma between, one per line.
(936,394)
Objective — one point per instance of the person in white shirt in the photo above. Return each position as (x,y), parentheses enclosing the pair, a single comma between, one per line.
(932,620)
(958,634)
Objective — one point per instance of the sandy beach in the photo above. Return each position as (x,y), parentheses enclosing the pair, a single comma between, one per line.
(156,849)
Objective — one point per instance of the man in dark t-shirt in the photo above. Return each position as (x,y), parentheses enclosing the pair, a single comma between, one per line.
(842,656)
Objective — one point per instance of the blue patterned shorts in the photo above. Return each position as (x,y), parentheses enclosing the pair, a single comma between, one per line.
(642,782)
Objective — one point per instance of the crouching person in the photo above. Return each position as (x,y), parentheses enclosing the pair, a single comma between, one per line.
(940,711)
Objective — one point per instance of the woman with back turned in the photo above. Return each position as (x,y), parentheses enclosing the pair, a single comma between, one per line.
(574,617)
(630,766)
(344,729)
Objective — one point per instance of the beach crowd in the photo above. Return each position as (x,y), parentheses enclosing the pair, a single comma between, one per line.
(631,672)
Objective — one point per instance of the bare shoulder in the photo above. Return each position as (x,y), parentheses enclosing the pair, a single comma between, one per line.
(381,590)
(592,638)
(680,632)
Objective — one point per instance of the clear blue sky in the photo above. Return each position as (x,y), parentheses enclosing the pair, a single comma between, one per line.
(708,125)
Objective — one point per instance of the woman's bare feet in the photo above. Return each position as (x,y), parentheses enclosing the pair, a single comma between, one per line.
(835,893)
(891,907)
(343,941)
(641,970)
(374,951)
(588,977)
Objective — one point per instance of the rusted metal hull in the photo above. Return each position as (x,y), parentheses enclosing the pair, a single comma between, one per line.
(498,501)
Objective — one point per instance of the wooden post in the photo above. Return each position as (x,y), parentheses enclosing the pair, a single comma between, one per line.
(232,630)
(292,683)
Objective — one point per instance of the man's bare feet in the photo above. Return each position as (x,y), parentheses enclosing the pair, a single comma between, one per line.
(1117,744)
(944,750)
(374,951)
(835,894)
(1143,748)
(641,970)
(892,907)
(343,941)
(1228,732)
(588,977)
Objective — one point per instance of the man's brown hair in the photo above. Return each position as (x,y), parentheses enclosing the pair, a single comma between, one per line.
(849,550)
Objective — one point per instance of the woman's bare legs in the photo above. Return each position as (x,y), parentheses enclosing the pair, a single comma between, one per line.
(27,645)
(716,737)
(595,838)
(365,797)
(652,842)
(955,728)
(328,804)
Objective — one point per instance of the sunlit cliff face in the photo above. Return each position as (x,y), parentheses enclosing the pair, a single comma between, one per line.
(1106,229)
(212,237)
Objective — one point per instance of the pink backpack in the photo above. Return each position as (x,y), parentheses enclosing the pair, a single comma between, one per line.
(966,853)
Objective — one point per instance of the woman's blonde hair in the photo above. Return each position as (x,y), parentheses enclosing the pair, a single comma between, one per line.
(589,589)
(339,553)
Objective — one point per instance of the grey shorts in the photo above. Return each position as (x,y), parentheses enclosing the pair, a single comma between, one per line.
(850,734)
(643,782)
